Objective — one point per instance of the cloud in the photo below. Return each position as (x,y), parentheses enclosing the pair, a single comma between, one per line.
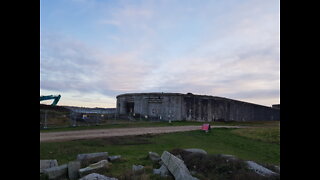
(69,65)
(215,48)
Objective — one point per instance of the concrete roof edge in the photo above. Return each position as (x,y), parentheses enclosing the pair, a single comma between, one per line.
(191,94)
(151,93)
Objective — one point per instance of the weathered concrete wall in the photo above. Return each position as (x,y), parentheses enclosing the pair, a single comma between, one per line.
(175,106)
(154,105)
(209,108)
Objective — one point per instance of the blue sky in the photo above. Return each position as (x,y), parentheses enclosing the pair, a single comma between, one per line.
(93,50)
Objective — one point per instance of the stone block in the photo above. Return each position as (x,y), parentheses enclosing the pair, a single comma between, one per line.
(153,156)
(162,171)
(98,167)
(73,170)
(87,159)
(229,157)
(137,168)
(277,168)
(176,166)
(95,176)
(179,156)
(195,150)
(57,172)
(260,169)
(114,158)
(49,163)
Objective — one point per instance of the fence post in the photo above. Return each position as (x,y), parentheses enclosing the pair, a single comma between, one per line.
(73,120)
(45,119)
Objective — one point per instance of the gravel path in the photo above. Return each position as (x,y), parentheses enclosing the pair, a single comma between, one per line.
(100,133)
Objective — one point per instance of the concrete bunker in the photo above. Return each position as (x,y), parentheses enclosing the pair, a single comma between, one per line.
(191,107)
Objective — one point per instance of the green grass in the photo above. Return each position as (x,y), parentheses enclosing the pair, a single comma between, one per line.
(134,149)
(270,134)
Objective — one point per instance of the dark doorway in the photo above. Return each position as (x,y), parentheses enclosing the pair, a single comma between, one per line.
(130,107)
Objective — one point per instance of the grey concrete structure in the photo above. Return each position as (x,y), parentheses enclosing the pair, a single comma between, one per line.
(276,106)
(190,107)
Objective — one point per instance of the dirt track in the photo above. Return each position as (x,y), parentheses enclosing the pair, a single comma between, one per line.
(99,133)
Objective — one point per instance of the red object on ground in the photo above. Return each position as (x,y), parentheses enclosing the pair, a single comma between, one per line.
(205,127)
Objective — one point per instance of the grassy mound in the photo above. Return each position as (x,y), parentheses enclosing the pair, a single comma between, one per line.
(217,166)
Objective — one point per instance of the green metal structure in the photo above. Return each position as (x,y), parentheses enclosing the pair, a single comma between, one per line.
(56,99)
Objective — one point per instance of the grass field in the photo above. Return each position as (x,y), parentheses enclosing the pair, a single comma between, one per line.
(261,144)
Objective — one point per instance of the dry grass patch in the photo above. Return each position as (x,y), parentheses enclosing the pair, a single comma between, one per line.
(264,134)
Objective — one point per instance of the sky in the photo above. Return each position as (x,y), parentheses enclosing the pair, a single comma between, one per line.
(93,50)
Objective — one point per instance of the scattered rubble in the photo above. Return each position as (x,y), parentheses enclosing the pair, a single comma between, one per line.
(93,162)
(87,166)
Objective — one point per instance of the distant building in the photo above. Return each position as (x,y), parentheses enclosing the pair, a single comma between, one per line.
(91,110)
(276,106)
(177,106)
